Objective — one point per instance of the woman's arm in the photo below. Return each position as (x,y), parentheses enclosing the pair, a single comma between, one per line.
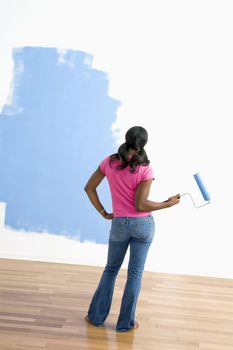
(143,204)
(90,189)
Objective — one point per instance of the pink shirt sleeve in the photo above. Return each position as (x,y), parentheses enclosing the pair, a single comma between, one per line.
(104,164)
(147,174)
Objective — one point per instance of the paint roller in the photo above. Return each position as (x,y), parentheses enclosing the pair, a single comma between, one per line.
(202,189)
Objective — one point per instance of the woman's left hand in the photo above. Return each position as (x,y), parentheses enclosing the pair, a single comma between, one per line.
(107,216)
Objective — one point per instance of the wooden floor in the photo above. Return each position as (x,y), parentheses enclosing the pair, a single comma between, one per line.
(42,307)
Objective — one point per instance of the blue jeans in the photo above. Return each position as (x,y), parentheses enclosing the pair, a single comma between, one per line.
(138,233)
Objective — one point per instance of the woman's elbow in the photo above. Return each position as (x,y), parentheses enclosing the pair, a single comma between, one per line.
(87,188)
(139,206)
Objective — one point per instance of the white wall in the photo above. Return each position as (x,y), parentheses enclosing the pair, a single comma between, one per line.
(170,64)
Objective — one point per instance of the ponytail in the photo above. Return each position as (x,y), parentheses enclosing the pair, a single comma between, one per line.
(135,138)
(140,158)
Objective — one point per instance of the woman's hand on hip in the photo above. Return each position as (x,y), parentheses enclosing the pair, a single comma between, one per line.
(107,216)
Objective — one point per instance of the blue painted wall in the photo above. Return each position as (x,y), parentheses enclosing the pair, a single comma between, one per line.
(52,137)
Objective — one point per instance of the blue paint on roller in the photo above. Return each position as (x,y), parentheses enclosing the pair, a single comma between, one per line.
(202,187)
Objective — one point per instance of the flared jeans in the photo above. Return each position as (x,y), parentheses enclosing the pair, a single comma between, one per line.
(136,233)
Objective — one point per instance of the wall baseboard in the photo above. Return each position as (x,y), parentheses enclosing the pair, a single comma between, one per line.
(56,259)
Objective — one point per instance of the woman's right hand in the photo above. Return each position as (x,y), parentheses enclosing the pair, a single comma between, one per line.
(174,200)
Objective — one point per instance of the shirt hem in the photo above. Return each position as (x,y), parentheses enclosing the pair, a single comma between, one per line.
(132,215)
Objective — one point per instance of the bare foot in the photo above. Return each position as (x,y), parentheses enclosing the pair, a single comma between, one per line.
(89,321)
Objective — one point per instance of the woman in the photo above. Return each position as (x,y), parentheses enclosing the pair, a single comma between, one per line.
(130,176)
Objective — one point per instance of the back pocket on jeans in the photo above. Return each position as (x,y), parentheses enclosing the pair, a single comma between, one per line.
(144,230)
(117,232)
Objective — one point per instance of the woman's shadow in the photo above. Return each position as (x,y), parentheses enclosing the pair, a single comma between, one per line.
(107,337)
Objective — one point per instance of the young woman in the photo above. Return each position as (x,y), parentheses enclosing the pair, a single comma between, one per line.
(129,176)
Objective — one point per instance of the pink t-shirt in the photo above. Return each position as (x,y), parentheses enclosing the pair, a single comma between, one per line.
(123,185)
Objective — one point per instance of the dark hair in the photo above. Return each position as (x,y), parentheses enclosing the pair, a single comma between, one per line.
(135,138)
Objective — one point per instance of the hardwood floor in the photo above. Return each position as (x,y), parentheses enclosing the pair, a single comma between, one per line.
(42,307)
